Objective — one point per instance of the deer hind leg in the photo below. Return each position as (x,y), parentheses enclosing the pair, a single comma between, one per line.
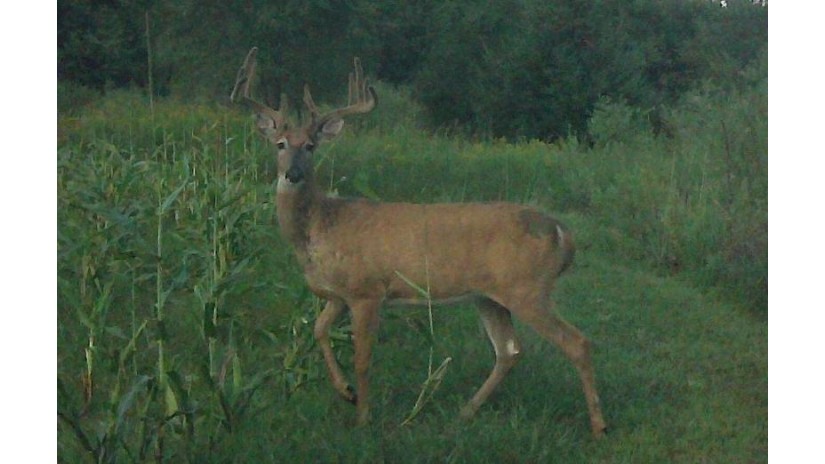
(328,316)
(364,330)
(539,314)
(499,327)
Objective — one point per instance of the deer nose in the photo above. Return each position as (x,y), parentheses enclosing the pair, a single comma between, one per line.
(294,175)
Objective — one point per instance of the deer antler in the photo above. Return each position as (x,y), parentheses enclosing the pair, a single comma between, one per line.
(244,78)
(362,99)
(241,92)
(313,110)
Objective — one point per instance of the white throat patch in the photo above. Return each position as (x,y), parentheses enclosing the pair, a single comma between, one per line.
(285,185)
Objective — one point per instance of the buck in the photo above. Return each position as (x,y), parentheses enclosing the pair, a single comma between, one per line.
(360,255)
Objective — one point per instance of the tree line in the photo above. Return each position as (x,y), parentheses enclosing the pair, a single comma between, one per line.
(512,68)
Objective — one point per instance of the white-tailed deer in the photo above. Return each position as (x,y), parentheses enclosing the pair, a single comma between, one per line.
(359,254)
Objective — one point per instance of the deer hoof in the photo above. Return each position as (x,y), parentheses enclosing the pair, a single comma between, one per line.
(599,433)
(467,412)
(351,396)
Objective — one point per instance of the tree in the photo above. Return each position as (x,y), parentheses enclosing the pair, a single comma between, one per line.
(101,43)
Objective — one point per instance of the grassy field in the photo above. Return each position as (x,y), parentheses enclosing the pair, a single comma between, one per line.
(185,328)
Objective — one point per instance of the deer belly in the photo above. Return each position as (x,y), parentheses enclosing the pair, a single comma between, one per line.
(424,300)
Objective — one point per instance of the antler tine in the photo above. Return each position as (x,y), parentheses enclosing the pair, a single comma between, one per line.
(245,75)
(355,78)
(351,90)
(310,103)
(361,97)
(242,90)
(357,84)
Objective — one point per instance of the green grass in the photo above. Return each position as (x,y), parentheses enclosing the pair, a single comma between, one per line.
(185,327)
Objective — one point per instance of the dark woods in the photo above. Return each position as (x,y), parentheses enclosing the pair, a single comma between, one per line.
(512,68)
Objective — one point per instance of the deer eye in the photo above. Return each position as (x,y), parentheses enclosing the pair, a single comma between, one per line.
(309,146)
(281,144)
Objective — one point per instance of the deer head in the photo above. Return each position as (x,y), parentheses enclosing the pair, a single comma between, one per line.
(296,145)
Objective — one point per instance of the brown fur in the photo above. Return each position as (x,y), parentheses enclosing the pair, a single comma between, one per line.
(426,244)
(360,255)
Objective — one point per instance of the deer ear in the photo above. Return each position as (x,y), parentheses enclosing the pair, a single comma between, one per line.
(263,123)
(267,125)
(331,128)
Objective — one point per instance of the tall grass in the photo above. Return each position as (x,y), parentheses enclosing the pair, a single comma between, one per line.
(164,219)
(185,328)
(694,201)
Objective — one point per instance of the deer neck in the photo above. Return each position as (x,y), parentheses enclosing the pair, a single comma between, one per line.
(296,207)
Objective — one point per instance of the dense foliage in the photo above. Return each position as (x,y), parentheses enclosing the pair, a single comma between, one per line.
(511,68)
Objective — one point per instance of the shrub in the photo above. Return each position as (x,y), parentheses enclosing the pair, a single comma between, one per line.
(72,97)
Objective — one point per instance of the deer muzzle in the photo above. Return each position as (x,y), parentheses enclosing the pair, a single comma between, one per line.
(294,175)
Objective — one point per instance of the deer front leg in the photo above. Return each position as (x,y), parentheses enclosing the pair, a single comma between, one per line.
(364,328)
(328,316)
